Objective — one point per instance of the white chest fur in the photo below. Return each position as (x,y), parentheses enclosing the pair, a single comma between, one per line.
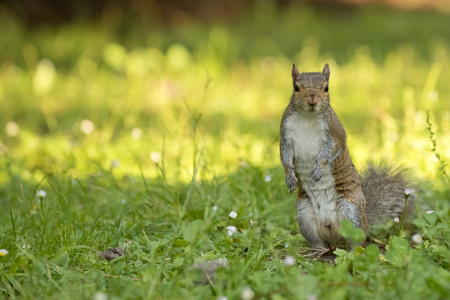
(307,134)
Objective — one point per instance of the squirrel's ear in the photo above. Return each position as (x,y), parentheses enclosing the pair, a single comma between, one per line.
(295,72)
(326,72)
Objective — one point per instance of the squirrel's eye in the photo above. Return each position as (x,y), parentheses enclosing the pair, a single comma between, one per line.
(296,88)
(326,88)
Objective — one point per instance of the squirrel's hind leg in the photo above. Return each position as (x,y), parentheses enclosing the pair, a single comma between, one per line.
(307,223)
(348,210)
(356,215)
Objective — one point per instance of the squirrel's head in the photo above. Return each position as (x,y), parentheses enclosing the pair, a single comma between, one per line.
(310,90)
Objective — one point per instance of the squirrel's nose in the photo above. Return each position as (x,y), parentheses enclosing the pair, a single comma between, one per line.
(313,100)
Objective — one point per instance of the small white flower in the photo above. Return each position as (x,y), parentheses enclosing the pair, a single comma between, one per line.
(124,201)
(231,230)
(100,296)
(268,178)
(312,297)
(251,222)
(115,163)
(3,252)
(26,246)
(250,214)
(233,214)
(214,207)
(289,260)
(12,129)
(430,212)
(155,157)
(396,220)
(417,238)
(41,194)
(127,243)
(434,96)
(286,245)
(247,293)
(409,191)
(222,298)
(136,133)
(87,127)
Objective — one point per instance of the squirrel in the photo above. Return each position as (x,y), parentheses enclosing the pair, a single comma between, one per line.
(316,160)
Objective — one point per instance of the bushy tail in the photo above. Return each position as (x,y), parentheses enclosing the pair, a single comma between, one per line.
(384,189)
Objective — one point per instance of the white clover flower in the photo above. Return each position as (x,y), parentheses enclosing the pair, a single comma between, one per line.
(231,230)
(268,178)
(417,238)
(136,133)
(396,220)
(3,252)
(409,191)
(430,212)
(100,296)
(87,127)
(289,260)
(12,129)
(434,96)
(115,163)
(233,214)
(155,157)
(247,293)
(214,207)
(41,194)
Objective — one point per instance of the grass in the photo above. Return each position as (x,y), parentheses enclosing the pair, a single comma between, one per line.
(153,135)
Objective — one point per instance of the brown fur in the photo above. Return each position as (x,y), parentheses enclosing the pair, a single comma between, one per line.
(368,201)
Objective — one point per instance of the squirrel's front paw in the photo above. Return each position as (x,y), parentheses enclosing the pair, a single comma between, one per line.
(291,182)
(315,175)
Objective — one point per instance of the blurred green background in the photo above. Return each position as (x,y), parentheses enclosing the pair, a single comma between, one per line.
(145,123)
(200,86)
